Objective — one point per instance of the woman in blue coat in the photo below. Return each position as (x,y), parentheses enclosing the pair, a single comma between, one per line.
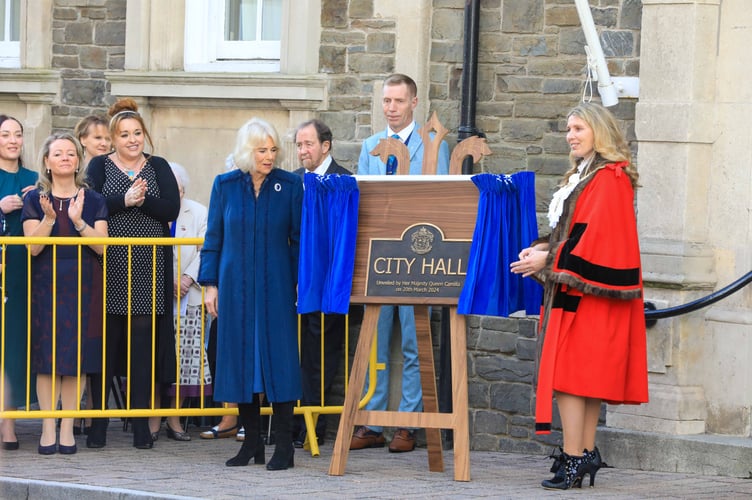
(249,265)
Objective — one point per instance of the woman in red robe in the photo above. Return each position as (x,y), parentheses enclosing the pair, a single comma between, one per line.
(592,341)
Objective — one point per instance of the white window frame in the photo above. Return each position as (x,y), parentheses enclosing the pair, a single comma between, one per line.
(206,49)
(10,50)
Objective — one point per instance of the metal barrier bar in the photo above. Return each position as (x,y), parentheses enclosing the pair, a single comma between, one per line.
(309,412)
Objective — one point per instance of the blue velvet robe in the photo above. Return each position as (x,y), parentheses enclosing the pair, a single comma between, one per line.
(250,253)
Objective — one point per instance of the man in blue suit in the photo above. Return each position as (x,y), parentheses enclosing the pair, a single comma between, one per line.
(400,98)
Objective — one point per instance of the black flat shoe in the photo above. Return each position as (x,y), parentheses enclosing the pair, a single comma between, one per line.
(10,445)
(97,436)
(148,445)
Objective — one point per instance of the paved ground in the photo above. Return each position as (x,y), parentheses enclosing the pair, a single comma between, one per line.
(196,470)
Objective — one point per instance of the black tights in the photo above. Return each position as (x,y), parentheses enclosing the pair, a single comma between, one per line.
(116,353)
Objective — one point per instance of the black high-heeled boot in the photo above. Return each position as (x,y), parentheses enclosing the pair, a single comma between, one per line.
(595,462)
(595,458)
(259,458)
(250,419)
(284,452)
(558,467)
(574,469)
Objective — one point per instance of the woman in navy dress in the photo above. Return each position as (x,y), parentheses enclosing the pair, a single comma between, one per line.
(249,266)
(61,206)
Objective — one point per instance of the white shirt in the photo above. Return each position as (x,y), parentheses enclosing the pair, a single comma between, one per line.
(404,133)
(321,169)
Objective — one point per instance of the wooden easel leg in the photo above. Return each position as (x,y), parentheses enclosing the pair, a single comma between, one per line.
(354,390)
(428,384)
(459,396)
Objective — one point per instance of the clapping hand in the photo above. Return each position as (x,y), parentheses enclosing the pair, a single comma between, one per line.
(136,194)
(47,208)
(76,208)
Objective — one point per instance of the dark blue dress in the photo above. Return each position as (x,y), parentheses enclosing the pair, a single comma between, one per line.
(66,290)
(250,253)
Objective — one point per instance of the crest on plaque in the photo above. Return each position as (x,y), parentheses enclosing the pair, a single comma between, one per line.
(422,241)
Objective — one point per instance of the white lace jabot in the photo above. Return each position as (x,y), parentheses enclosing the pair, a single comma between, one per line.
(560,196)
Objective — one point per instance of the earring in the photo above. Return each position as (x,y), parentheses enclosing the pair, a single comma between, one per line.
(76,170)
(48,171)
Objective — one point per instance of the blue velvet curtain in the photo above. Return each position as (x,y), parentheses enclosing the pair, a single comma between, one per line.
(329,227)
(505,224)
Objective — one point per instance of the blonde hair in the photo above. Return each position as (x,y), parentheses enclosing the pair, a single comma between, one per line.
(251,135)
(44,183)
(609,143)
(127,108)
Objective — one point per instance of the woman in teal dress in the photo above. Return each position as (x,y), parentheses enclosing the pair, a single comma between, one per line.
(15,182)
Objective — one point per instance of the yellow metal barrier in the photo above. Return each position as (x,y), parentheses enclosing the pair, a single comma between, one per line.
(310,413)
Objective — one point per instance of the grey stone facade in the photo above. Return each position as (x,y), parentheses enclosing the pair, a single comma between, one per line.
(531,71)
(88,38)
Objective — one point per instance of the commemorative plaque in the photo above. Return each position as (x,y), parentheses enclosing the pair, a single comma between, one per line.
(421,263)
(414,236)
(412,248)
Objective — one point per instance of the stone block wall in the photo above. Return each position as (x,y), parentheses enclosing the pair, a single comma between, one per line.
(88,38)
(531,72)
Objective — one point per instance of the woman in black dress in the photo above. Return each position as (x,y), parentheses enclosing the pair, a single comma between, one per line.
(60,206)
(142,198)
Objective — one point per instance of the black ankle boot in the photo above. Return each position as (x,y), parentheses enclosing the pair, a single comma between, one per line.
(594,457)
(574,469)
(284,452)
(558,467)
(250,419)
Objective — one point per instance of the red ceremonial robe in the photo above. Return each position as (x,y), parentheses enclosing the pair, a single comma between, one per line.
(593,341)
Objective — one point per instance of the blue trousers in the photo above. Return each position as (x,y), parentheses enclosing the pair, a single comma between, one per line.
(412,392)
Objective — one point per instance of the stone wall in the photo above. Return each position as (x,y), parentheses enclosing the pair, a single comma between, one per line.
(531,71)
(88,38)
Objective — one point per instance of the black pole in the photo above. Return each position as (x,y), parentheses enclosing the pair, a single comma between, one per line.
(466,129)
(467,126)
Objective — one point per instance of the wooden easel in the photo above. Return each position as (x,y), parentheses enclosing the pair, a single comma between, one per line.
(387,207)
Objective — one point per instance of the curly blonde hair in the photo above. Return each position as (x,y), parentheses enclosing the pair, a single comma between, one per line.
(609,144)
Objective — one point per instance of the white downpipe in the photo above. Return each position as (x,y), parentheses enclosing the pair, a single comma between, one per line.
(606,87)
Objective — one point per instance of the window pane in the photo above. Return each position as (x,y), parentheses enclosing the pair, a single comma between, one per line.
(272,16)
(2,21)
(15,20)
(240,20)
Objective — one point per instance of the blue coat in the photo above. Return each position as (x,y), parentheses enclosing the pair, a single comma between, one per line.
(372,165)
(250,253)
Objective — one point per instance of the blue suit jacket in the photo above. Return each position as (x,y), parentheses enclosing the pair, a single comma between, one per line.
(372,165)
